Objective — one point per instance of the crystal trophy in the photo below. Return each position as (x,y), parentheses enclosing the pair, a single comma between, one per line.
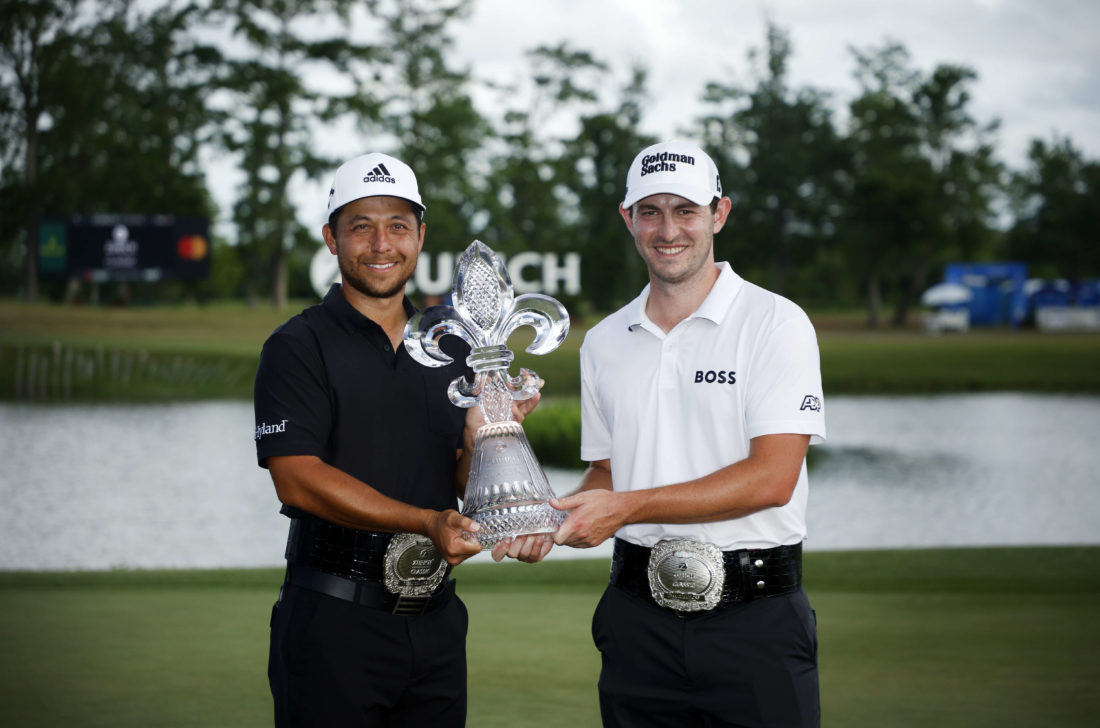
(507,492)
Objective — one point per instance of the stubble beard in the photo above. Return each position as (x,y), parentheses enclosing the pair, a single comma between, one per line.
(349,271)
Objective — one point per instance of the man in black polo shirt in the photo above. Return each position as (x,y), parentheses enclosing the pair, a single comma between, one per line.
(368,457)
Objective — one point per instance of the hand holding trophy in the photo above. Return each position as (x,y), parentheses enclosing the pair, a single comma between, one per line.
(507,492)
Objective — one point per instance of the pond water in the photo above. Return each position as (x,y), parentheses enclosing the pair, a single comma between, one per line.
(177,486)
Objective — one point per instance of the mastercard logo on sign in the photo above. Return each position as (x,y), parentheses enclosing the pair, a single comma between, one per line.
(192,247)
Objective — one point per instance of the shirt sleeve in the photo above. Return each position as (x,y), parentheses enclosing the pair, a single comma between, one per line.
(595,435)
(291,398)
(786,395)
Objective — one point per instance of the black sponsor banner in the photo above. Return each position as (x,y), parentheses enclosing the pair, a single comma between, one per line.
(101,248)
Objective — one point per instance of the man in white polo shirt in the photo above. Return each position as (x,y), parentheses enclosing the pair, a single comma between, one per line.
(698,401)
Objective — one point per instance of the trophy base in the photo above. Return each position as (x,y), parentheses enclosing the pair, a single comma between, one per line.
(507,493)
(518,519)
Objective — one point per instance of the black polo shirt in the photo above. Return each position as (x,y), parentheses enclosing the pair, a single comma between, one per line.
(329,384)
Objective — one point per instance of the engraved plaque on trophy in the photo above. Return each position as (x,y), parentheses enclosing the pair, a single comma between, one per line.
(507,492)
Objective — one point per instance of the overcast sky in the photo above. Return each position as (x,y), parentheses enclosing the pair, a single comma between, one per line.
(1038,61)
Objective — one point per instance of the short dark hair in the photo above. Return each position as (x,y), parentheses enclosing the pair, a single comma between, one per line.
(336,214)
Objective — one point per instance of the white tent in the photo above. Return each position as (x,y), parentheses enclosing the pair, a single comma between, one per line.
(946,294)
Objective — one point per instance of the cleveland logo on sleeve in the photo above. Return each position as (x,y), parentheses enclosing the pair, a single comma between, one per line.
(265,429)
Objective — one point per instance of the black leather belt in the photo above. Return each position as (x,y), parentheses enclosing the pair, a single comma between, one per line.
(348,564)
(338,550)
(370,594)
(750,573)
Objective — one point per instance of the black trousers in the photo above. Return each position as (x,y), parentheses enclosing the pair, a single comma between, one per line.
(751,665)
(334,664)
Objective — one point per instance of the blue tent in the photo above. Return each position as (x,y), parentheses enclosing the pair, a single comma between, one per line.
(998,289)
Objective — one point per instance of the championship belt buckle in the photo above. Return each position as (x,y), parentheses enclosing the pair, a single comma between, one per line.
(686,575)
(412,570)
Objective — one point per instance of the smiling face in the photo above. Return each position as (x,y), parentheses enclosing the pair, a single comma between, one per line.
(675,236)
(376,242)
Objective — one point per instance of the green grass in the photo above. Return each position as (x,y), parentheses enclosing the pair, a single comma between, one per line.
(93,354)
(967,637)
(911,362)
(52,352)
(222,329)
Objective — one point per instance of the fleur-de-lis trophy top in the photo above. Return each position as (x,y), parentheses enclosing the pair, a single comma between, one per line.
(484,315)
(507,491)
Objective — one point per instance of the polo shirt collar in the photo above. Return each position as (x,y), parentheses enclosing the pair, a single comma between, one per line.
(717,303)
(348,317)
(713,308)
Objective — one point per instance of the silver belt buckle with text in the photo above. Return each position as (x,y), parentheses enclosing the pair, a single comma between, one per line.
(413,567)
(686,575)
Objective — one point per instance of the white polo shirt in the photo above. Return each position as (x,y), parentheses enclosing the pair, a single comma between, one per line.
(667,408)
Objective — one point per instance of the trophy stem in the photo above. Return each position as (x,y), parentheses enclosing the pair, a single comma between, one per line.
(507,492)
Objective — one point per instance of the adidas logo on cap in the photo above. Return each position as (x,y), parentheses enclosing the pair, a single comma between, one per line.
(380,174)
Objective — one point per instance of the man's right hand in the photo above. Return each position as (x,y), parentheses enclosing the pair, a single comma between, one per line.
(594,516)
(445,531)
(531,548)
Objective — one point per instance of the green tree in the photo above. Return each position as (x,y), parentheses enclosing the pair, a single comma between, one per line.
(598,157)
(1056,200)
(115,115)
(889,174)
(427,111)
(966,181)
(141,155)
(924,176)
(36,42)
(532,206)
(785,168)
(272,116)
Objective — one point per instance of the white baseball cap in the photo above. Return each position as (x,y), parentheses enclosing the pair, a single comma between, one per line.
(673,168)
(372,175)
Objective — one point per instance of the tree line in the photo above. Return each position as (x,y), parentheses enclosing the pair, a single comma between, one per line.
(117,106)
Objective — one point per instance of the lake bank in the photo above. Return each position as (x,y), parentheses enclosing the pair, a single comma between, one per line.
(53,353)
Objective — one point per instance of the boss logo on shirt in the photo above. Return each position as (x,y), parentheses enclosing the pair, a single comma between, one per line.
(810,402)
(265,429)
(714,377)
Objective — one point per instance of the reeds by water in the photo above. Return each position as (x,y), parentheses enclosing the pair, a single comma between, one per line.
(61,372)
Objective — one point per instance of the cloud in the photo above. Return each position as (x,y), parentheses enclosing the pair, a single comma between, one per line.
(1038,64)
